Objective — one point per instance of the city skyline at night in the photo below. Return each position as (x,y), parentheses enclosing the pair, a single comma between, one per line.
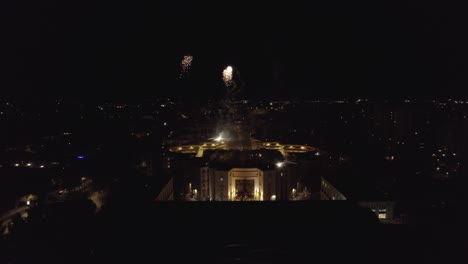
(233,132)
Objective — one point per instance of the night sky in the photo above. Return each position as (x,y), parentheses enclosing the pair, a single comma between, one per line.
(291,50)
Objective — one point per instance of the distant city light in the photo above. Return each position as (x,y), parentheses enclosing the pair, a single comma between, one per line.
(42,166)
(80,157)
(29,164)
(28,202)
(16,164)
(279,164)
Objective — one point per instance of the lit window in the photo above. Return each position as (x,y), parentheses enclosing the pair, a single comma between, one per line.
(382,216)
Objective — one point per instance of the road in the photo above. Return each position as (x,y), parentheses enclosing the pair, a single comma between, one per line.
(4,218)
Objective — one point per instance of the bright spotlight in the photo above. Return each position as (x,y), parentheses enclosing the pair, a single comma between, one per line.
(279,164)
(219,138)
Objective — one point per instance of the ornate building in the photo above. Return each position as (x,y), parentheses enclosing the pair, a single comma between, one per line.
(261,173)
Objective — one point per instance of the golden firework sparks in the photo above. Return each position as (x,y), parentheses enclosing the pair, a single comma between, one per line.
(227,76)
(185,65)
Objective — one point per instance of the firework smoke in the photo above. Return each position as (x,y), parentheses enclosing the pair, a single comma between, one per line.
(185,66)
(227,76)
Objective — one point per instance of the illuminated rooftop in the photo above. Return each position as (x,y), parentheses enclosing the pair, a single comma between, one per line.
(285,149)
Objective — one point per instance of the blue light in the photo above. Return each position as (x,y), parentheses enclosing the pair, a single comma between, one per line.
(80,157)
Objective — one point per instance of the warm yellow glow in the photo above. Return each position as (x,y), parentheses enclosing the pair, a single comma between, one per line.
(302,147)
(268,144)
(179,148)
(227,76)
(185,65)
(213,145)
(16,164)
(29,164)
(273,198)
(191,147)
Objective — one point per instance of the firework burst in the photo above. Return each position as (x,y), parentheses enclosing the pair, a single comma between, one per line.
(227,76)
(185,66)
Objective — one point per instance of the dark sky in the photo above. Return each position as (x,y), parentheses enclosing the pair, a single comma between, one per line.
(292,49)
